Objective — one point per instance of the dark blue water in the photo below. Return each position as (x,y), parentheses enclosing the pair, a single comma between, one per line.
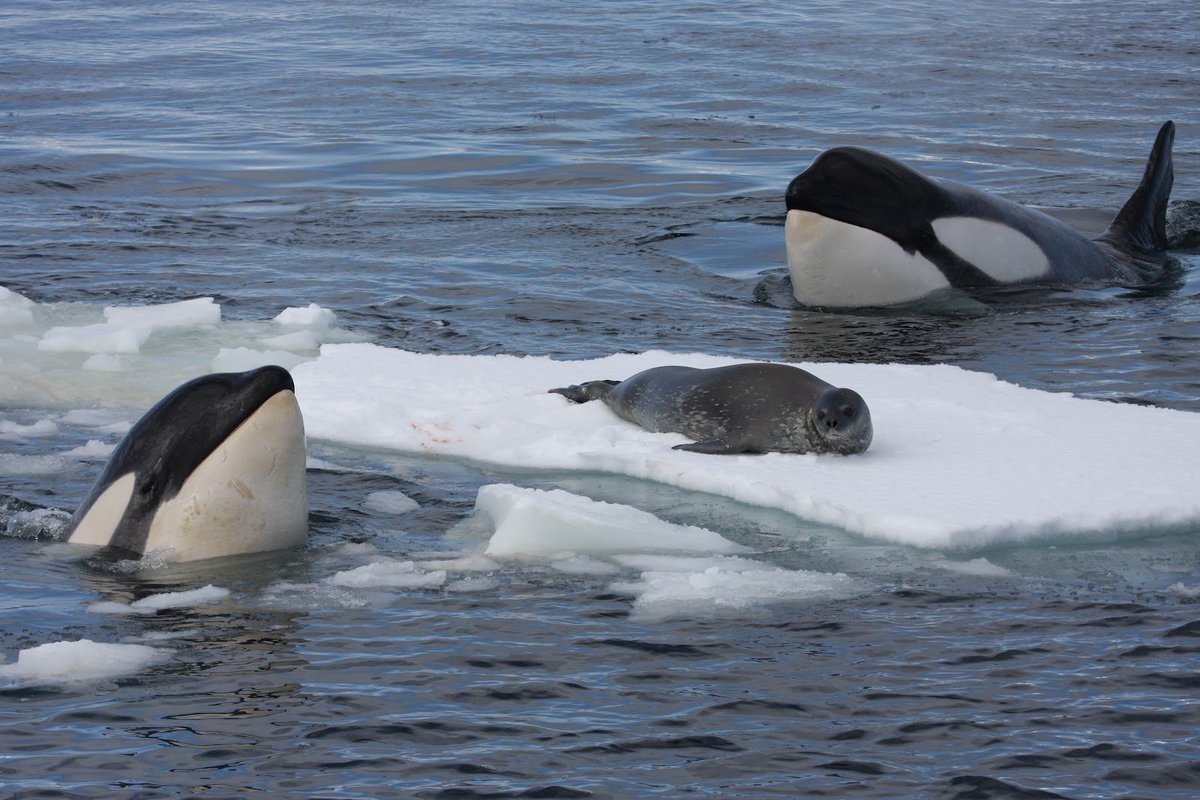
(575,181)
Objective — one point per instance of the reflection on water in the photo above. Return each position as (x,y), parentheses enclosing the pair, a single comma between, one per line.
(872,338)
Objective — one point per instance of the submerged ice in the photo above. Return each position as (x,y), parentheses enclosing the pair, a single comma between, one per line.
(668,570)
(536,523)
(672,570)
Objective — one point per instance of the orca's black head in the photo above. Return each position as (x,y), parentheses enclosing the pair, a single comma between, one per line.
(872,191)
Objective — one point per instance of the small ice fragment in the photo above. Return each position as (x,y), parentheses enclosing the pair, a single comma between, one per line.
(201,311)
(533,522)
(391,574)
(83,660)
(314,316)
(390,502)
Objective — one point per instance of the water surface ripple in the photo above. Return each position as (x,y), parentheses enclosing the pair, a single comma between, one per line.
(555,179)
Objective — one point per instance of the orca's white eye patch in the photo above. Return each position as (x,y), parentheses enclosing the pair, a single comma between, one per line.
(102,518)
(1004,253)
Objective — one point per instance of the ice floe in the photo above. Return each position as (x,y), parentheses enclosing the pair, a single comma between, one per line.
(960,458)
(390,502)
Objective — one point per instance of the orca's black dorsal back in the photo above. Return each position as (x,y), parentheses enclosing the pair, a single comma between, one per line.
(1142,221)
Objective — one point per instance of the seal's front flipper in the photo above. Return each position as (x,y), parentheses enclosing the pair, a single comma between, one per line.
(718,447)
(584,392)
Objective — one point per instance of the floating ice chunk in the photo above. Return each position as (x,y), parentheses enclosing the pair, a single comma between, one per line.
(1186,592)
(103,337)
(104,362)
(15,310)
(980,567)
(93,450)
(207,595)
(391,574)
(717,591)
(533,522)
(314,316)
(15,430)
(126,329)
(390,502)
(471,562)
(83,660)
(201,311)
(472,584)
(240,359)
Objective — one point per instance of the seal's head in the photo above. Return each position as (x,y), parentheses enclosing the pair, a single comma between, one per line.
(842,421)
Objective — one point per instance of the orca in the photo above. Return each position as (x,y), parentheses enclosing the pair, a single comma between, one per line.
(215,468)
(865,230)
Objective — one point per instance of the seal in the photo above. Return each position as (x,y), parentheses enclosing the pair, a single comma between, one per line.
(215,468)
(865,230)
(743,408)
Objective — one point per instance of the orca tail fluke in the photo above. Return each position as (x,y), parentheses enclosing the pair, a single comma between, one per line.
(1141,223)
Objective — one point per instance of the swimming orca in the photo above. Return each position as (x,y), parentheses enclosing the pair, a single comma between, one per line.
(215,468)
(864,230)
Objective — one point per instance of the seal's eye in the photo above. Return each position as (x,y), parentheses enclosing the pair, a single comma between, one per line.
(848,412)
(821,414)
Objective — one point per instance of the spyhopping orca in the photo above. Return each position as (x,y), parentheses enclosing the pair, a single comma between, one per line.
(215,468)
(864,230)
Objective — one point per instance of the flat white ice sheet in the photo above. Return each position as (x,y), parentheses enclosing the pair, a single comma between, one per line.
(960,459)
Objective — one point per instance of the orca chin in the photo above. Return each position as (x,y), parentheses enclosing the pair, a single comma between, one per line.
(216,468)
(865,230)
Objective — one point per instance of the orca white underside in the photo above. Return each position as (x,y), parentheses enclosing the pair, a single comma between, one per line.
(834,263)
(247,496)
